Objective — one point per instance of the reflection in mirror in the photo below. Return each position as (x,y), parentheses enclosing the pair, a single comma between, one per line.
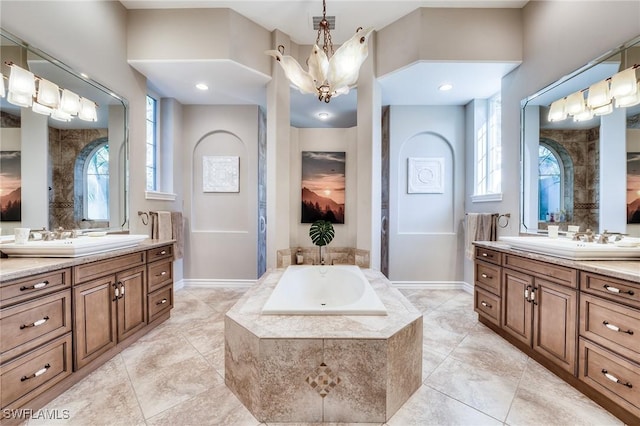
(69,173)
(573,167)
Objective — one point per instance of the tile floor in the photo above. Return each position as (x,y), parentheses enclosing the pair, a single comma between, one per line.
(175,374)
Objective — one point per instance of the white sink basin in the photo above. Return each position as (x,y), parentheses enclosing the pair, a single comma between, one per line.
(627,248)
(72,247)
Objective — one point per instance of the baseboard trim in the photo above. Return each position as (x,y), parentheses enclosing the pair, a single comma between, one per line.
(217,283)
(434,285)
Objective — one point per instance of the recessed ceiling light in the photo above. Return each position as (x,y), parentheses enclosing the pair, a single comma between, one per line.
(446,86)
(202,86)
(84,75)
(323,115)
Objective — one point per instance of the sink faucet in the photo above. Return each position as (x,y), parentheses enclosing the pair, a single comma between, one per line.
(604,237)
(588,236)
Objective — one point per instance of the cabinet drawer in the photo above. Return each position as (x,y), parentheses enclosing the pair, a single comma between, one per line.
(164,252)
(555,273)
(488,255)
(101,268)
(487,305)
(488,276)
(32,374)
(36,285)
(611,288)
(25,326)
(611,325)
(611,375)
(160,274)
(160,301)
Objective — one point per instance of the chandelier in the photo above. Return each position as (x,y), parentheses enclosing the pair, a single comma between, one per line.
(329,75)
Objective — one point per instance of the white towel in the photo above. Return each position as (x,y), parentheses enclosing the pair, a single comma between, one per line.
(471,228)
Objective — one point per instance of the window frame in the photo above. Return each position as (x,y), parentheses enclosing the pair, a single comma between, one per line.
(487,179)
(155,144)
(85,179)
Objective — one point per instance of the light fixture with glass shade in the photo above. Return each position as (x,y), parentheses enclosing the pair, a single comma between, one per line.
(575,103)
(70,102)
(598,95)
(585,115)
(88,110)
(557,110)
(630,100)
(624,83)
(48,94)
(330,74)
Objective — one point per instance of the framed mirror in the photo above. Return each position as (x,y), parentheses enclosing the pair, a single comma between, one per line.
(582,171)
(68,172)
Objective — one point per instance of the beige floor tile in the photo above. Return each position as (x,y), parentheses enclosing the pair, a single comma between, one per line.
(476,385)
(544,399)
(215,406)
(430,361)
(428,300)
(429,407)
(104,397)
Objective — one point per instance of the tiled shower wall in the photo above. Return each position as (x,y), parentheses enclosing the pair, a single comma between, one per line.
(584,148)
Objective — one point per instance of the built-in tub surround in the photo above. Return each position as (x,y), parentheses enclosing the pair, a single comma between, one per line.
(330,255)
(334,368)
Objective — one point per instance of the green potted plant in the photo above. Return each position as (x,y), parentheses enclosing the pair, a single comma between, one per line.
(321,233)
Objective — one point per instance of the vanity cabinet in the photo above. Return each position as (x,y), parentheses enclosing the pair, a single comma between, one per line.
(160,273)
(610,338)
(583,326)
(108,309)
(35,330)
(58,326)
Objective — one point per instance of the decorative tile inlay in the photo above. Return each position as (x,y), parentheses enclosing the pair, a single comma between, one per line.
(323,380)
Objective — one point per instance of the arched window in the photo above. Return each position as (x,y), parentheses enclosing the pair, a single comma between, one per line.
(97,184)
(91,186)
(550,184)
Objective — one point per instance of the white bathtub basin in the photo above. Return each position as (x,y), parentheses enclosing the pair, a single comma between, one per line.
(576,250)
(72,247)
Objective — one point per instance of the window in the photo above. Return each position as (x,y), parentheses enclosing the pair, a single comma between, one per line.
(152,144)
(549,184)
(96,205)
(488,176)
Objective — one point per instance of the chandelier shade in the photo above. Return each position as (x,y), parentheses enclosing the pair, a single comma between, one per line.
(624,83)
(329,74)
(557,110)
(48,94)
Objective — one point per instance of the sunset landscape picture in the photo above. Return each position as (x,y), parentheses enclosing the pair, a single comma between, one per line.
(633,187)
(10,186)
(323,185)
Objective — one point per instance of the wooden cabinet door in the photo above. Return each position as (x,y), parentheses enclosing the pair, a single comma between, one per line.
(94,327)
(132,301)
(554,323)
(516,309)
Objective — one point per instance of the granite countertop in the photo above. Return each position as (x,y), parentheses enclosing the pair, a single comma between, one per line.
(19,267)
(622,269)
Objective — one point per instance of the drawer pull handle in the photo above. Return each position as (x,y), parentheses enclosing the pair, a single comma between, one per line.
(121,290)
(162,302)
(487,276)
(616,328)
(35,323)
(485,304)
(116,292)
(43,284)
(617,290)
(487,255)
(163,252)
(161,274)
(37,373)
(615,379)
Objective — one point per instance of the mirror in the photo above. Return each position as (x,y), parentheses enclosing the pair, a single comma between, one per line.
(70,174)
(573,172)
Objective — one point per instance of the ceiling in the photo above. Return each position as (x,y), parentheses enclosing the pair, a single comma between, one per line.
(413,85)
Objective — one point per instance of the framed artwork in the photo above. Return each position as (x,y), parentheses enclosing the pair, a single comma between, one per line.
(10,186)
(323,185)
(425,175)
(221,173)
(633,187)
